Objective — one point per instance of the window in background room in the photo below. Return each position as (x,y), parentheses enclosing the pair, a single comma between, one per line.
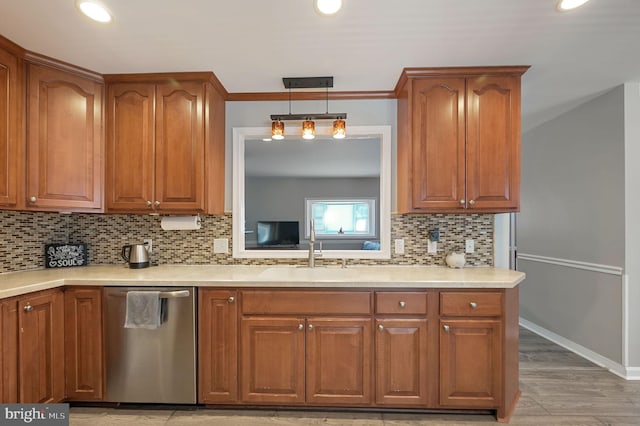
(341,218)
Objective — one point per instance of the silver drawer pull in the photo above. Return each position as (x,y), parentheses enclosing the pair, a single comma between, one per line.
(28,308)
(402,304)
(381,327)
(473,305)
(310,327)
(231,299)
(446,328)
(300,327)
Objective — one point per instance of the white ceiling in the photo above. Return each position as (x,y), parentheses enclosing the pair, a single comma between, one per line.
(252,44)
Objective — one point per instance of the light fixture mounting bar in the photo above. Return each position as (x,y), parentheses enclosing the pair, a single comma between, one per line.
(301,117)
(307,82)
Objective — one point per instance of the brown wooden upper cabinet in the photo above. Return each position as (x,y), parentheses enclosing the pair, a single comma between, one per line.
(459,140)
(11,141)
(65,147)
(165,144)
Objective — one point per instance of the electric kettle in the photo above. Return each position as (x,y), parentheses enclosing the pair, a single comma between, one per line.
(136,255)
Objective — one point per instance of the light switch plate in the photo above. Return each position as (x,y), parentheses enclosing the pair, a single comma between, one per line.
(399,246)
(220,245)
(470,246)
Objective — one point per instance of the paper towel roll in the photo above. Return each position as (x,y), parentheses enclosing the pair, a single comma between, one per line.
(177,223)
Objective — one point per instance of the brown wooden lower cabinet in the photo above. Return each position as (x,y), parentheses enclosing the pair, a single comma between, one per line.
(84,349)
(41,347)
(401,355)
(9,351)
(217,346)
(470,363)
(272,360)
(339,361)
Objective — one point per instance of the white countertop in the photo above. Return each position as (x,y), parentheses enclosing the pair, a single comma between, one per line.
(16,283)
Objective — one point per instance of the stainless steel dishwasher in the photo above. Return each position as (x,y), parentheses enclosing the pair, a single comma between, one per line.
(152,366)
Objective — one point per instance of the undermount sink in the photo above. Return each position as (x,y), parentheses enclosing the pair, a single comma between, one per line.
(305,273)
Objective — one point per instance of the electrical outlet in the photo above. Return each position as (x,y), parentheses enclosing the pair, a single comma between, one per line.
(148,243)
(470,246)
(220,245)
(434,235)
(399,243)
(432,247)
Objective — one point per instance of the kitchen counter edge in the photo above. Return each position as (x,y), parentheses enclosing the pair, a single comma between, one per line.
(355,277)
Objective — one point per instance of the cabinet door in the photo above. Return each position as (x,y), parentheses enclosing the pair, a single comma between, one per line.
(470,363)
(339,361)
(272,360)
(218,346)
(64,141)
(9,351)
(41,347)
(130,147)
(401,362)
(10,125)
(84,360)
(493,143)
(438,144)
(180,147)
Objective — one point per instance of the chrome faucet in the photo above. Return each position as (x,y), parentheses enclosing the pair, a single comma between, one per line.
(312,242)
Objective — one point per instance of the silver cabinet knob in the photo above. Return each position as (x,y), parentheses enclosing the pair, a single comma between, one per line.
(310,327)
(28,308)
(462,202)
(300,327)
(473,305)
(402,304)
(231,299)
(380,327)
(445,328)
(156,203)
(148,203)
(472,202)
(33,199)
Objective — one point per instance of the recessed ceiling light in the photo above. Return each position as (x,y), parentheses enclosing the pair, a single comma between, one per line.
(327,7)
(564,5)
(94,10)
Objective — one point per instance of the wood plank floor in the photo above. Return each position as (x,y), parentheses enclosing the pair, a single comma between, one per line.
(558,388)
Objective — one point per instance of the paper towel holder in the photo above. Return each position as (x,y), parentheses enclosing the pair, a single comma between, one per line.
(177,223)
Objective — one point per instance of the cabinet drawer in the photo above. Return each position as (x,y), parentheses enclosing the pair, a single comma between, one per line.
(470,303)
(405,302)
(294,302)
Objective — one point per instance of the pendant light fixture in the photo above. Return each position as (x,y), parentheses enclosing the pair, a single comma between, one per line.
(308,129)
(308,124)
(339,129)
(277,130)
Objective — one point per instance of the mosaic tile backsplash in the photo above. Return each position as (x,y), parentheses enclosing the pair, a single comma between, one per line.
(24,234)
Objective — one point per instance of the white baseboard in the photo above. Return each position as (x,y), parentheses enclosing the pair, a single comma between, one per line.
(628,373)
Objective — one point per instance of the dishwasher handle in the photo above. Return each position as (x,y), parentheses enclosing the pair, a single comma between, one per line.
(163,294)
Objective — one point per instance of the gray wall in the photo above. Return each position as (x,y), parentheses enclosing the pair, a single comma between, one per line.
(632,222)
(290,193)
(573,201)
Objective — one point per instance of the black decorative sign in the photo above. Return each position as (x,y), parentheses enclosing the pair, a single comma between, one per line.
(65,255)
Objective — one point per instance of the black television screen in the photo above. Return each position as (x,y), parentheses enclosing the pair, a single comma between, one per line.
(272,233)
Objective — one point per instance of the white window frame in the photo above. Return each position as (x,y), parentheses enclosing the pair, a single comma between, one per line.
(308,215)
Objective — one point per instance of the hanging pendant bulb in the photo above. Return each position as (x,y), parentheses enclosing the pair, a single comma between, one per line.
(277,130)
(308,129)
(339,129)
